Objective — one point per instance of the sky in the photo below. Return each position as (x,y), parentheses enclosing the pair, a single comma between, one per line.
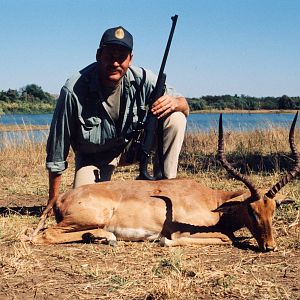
(243,47)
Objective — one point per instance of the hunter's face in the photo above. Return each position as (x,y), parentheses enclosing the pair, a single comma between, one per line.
(114,60)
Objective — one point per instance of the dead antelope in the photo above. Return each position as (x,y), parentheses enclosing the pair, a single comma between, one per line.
(175,212)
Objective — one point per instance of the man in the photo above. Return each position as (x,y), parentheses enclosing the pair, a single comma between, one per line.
(100,106)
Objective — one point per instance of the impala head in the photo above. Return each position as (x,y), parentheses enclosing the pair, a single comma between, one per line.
(256,208)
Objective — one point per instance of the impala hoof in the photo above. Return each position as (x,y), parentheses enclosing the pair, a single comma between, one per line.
(27,235)
(112,243)
(270,249)
(164,242)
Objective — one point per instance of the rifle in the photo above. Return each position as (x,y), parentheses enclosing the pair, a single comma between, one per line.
(152,124)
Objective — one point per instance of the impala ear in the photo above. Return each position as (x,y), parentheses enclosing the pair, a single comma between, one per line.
(228,207)
(280,202)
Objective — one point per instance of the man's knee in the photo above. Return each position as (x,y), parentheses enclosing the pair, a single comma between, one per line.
(176,121)
(92,174)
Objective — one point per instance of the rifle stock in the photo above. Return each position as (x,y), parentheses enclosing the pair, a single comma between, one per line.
(152,124)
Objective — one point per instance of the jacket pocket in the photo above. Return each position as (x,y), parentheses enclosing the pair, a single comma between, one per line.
(90,130)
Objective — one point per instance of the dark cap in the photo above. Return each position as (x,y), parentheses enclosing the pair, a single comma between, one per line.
(117,35)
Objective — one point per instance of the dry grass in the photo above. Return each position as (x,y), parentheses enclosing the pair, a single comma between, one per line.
(145,270)
(258,150)
(22,127)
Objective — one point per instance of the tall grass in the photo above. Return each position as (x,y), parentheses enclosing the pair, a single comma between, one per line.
(259,150)
(22,165)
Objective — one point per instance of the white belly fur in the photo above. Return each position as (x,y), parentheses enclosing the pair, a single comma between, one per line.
(133,234)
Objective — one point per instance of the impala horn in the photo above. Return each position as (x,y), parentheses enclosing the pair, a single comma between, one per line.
(235,173)
(296,169)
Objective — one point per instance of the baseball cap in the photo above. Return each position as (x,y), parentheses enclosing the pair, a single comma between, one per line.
(117,35)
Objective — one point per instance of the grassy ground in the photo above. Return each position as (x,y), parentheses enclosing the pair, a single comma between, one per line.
(146,270)
(20,127)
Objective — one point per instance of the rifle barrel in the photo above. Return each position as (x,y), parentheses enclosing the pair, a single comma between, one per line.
(164,60)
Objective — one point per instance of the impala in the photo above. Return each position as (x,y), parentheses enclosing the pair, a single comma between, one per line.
(174,212)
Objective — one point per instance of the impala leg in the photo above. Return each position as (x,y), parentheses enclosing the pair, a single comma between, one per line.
(60,235)
(199,239)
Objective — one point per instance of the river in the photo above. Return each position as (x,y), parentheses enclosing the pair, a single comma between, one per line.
(196,122)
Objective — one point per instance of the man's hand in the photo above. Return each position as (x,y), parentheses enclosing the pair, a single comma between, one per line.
(164,105)
(167,104)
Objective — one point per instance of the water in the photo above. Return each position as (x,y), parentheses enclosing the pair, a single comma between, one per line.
(239,122)
(24,119)
(43,119)
(202,122)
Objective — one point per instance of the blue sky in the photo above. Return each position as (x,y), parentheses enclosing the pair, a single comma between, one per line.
(249,47)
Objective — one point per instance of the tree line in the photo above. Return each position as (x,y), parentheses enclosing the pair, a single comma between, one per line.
(29,99)
(243,102)
(33,99)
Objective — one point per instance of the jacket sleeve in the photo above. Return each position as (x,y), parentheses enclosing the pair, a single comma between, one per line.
(59,139)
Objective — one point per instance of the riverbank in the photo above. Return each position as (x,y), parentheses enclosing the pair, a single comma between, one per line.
(49,110)
(240,111)
(16,127)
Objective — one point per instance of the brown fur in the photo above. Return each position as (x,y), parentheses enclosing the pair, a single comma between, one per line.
(176,212)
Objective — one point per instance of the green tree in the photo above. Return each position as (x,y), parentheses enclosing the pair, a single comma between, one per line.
(285,102)
(12,94)
(197,104)
(32,91)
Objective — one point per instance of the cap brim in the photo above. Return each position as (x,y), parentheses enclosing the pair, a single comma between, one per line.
(117,43)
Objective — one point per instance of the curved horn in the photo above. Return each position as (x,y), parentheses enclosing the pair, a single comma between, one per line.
(296,169)
(236,174)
